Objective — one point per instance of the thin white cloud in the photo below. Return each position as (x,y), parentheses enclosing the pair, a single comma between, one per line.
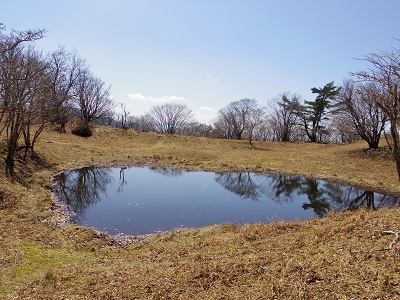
(205,114)
(162,99)
(137,96)
(211,77)
(207,109)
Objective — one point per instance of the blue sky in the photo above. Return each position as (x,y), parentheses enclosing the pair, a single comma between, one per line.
(208,53)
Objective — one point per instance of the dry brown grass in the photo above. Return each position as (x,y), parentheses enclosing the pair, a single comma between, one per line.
(338,257)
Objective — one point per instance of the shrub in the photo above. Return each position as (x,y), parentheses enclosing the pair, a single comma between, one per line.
(82,129)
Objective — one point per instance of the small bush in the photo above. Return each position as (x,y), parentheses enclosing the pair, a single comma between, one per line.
(82,129)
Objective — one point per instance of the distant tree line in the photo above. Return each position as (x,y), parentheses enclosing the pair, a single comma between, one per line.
(285,118)
(339,114)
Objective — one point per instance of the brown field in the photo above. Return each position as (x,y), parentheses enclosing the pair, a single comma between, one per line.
(342,256)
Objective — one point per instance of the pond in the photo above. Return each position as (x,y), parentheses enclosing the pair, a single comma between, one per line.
(138,201)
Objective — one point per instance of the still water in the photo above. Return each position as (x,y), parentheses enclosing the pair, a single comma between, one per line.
(138,201)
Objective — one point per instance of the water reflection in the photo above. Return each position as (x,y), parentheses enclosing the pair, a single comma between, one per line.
(369,200)
(83,188)
(282,187)
(241,184)
(163,199)
(167,172)
(122,181)
(322,196)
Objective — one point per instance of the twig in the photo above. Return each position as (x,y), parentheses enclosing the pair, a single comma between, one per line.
(393,241)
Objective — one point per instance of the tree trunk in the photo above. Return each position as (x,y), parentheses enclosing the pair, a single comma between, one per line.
(11,149)
(27,138)
(396,145)
(13,132)
(62,128)
(313,136)
(311,133)
(387,141)
(373,144)
(10,166)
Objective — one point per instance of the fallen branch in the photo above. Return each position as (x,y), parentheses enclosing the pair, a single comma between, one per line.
(392,242)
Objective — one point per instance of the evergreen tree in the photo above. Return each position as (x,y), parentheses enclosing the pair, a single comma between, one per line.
(313,113)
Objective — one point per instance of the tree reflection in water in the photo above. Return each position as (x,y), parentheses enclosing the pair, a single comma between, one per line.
(167,172)
(122,181)
(317,195)
(241,184)
(322,196)
(357,198)
(281,187)
(83,188)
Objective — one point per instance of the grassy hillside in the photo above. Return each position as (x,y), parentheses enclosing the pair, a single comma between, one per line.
(338,257)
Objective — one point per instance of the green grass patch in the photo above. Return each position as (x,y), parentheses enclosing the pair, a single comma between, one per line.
(38,265)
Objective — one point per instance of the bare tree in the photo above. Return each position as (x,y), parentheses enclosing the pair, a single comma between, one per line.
(239,118)
(221,128)
(21,75)
(255,121)
(136,123)
(343,129)
(9,42)
(168,118)
(384,72)
(358,101)
(283,116)
(195,128)
(92,100)
(36,110)
(8,50)
(64,73)
(123,117)
(263,132)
